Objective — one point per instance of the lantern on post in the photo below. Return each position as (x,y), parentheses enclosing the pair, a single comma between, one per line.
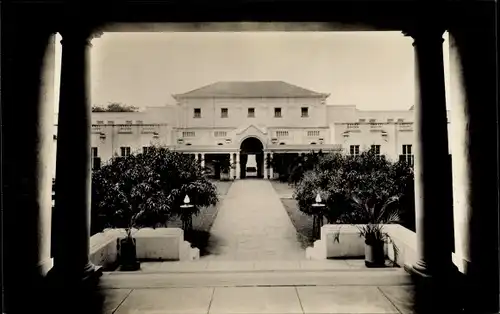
(318,207)
(187,218)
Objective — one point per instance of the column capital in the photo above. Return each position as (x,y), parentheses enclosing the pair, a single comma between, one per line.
(425,34)
(81,35)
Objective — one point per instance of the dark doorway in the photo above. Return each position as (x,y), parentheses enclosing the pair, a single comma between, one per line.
(252,146)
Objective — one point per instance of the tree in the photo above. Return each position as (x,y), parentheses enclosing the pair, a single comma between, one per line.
(146,190)
(338,177)
(114,107)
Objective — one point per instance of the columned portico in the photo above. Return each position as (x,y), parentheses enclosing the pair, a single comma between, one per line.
(73,168)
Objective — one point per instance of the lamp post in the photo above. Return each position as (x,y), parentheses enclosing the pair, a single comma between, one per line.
(187,221)
(317,215)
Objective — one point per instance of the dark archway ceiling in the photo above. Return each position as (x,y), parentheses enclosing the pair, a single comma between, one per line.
(251,145)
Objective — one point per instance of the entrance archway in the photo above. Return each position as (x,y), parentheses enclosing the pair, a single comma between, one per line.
(253,147)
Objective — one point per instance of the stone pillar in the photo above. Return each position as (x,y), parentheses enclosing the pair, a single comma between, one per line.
(231,162)
(433,206)
(266,171)
(238,166)
(271,172)
(203,160)
(73,167)
(474,143)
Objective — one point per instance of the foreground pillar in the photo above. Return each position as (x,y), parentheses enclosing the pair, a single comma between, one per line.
(432,181)
(27,94)
(434,269)
(73,167)
(474,148)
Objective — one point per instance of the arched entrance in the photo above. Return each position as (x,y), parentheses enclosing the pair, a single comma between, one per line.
(252,148)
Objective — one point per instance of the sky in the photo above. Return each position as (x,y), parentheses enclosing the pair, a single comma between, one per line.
(372,70)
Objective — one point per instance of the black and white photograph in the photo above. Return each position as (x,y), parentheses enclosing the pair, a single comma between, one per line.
(177,163)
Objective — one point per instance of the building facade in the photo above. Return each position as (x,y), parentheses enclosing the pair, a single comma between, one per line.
(249,122)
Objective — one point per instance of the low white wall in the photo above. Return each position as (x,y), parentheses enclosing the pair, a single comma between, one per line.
(350,245)
(158,244)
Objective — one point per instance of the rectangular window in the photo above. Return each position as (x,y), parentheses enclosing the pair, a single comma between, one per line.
(188,134)
(390,120)
(376,149)
(281,133)
(362,120)
(128,122)
(111,122)
(146,149)
(100,122)
(277,112)
(373,120)
(406,149)
(197,112)
(401,120)
(94,152)
(124,151)
(354,150)
(223,113)
(220,133)
(251,112)
(312,133)
(139,122)
(304,112)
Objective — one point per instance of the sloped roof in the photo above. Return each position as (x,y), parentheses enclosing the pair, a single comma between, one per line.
(250,89)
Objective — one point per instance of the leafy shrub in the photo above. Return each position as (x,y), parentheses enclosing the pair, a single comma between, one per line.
(146,190)
(339,177)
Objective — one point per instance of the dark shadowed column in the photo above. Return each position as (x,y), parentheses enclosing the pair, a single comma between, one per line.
(432,201)
(434,268)
(73,169)
(27,94)
(475,144)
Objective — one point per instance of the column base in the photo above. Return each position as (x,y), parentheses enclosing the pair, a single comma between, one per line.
(436,290)
(81,289)
(60,277)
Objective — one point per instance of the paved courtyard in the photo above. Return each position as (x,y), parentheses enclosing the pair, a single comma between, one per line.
(272,287)
(252,224)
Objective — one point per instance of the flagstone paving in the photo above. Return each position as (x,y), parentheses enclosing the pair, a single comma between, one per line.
(254,300)
(252,224)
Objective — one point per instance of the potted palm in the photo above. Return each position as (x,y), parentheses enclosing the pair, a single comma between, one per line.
(370,214)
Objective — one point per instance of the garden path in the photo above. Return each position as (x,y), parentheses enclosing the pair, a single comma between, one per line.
(252,224)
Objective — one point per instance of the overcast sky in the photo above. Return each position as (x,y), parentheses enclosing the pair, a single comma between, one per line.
(372,70)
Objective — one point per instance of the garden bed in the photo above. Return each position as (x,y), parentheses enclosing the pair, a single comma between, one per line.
(302,222)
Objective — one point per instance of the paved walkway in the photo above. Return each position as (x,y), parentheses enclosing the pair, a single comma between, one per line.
(253,225)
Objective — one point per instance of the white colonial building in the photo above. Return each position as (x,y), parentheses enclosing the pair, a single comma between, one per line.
(247,121)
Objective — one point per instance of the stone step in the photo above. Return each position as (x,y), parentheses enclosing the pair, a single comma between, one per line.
(360,277)
(208,265)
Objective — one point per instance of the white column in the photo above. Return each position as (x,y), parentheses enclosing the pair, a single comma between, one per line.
(203,160)
(238,166)
(271,172)
(266,171)
(231,162)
